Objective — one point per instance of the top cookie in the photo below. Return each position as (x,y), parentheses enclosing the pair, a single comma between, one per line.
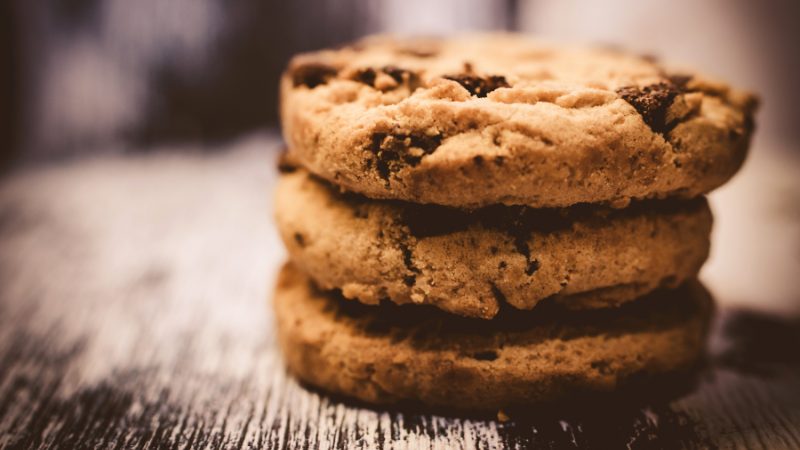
(486,119)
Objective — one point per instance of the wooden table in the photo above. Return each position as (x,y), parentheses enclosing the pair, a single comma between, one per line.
(134,314)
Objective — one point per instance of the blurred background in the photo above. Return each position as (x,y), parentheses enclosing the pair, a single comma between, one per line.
(79,75)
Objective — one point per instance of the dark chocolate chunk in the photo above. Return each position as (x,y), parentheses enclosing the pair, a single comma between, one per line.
(396,73)
(366,76)
(393,151)
(479,86)
(312,74)
(399,75)
(652,102)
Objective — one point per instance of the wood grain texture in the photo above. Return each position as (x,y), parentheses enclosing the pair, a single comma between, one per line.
(134,314)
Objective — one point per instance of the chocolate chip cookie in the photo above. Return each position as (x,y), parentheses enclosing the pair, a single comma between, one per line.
(487,119)
(393,354)
(472,263)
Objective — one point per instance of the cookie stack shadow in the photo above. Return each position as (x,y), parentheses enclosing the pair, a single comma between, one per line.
(489,222)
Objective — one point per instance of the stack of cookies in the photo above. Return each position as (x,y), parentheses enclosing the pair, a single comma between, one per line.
(488,221)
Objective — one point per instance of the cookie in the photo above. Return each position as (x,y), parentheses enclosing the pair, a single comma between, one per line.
(470,263)
(394,355)
(485,119)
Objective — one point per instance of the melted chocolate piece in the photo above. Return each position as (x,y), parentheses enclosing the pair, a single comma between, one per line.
(652,102)
(312,74)
(478,86)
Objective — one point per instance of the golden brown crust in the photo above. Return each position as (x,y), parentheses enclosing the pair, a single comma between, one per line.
(487,119)
(472,263)
(386,355)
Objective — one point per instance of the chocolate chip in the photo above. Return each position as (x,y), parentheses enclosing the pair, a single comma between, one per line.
(499,160)
(410,280)
(478,160)
(299,239)
(396,73)
(478,86)
(401,76)
(366,76)
(312,74)
(652,102)
(394,151)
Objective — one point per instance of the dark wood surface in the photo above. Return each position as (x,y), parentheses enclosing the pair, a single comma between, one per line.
(134,314)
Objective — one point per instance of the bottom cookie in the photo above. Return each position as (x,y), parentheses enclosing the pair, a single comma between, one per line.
(391,354)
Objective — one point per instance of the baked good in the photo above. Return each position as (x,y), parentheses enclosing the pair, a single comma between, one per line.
(485,119)
(470,263)
(394,355)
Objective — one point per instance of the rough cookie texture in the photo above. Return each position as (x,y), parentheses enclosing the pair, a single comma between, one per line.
(488,119)
(470,263)
(392,354)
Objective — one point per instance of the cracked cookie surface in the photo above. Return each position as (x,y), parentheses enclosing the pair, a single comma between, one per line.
(485,119)
(394,355)
(472,263)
